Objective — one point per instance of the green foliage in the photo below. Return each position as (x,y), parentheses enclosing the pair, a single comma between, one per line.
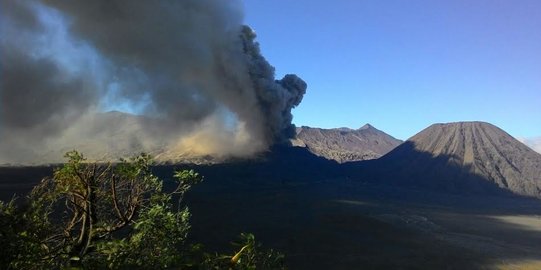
(249,256)
(104,216)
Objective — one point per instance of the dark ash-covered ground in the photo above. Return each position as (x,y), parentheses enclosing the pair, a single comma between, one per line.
(325,216)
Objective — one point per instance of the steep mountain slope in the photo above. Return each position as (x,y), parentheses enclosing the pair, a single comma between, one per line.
(344,144)
(463,157)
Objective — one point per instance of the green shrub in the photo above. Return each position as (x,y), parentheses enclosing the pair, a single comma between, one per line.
(97,216)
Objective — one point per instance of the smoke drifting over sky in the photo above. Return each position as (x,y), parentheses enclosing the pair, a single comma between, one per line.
(189,69)
(534,143)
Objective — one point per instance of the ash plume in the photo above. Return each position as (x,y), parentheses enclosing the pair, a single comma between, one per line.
(190,72)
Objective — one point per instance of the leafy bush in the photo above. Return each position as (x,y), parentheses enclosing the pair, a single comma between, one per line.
(249,256)
(97,216)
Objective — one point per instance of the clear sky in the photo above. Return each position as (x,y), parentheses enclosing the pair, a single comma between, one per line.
(402,65)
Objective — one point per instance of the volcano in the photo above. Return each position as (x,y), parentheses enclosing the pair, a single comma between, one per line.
(345,144)
(462,157)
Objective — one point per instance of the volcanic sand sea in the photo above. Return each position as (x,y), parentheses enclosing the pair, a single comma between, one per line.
(323,220)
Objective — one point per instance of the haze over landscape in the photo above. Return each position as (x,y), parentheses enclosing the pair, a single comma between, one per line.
(348,134)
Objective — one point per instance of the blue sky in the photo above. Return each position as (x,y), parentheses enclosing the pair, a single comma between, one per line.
(402,65)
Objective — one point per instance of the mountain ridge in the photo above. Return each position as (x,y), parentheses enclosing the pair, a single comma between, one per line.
(345,144)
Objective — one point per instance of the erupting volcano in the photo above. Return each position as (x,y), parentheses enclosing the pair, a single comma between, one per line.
(189,72)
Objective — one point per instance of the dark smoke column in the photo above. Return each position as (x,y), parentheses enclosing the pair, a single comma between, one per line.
(276,97)
(190,70)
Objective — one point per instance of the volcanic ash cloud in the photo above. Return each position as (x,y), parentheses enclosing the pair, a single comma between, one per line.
(189,72)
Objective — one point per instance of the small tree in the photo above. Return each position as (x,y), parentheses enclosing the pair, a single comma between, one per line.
(88,214)
(112,216)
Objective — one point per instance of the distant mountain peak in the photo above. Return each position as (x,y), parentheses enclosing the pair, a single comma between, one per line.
(463,124)
(346,144)
(367,126)
(466,155)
